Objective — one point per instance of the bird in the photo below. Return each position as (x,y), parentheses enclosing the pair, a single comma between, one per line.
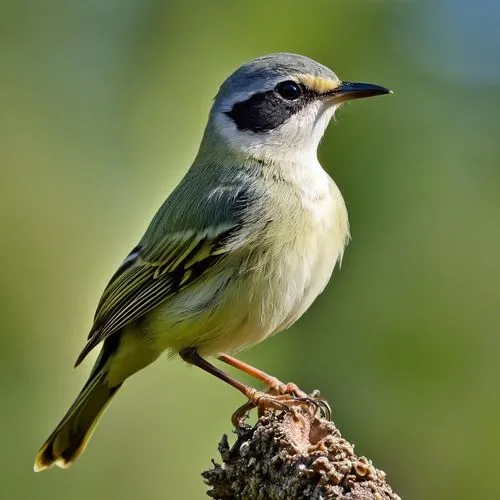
(238,251)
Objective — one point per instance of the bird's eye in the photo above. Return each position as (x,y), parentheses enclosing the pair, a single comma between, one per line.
(289,90)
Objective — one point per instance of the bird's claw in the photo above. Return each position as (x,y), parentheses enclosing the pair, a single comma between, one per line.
(284,401)
(241,414)
(319,404)
(314,398)
(262,401)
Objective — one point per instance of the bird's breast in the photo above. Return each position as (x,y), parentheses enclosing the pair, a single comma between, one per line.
(306,238)
(265,288)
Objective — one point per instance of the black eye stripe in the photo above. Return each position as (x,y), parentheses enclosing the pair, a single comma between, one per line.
(265,111)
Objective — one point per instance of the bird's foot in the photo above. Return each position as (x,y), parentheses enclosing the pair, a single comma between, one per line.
(314,398)
(278,387)
(283,397)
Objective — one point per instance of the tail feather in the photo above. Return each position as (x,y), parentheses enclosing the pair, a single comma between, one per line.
(70,437)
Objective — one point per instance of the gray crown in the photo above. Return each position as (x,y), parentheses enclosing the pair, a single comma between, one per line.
(271,68)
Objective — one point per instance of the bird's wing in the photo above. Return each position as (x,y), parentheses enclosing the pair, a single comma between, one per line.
(169,258)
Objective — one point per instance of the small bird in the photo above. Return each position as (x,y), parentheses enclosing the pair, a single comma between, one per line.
(238,251)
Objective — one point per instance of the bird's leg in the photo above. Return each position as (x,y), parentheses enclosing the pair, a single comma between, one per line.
(256,398)
(275,387)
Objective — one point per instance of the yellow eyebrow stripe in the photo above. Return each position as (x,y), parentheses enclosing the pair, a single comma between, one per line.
(318,84)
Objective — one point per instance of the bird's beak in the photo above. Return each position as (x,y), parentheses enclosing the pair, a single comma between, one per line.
(347,91)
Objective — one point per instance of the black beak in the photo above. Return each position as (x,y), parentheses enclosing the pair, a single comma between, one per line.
(347,91)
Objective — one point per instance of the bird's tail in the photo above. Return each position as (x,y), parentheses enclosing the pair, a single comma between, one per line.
(70,437)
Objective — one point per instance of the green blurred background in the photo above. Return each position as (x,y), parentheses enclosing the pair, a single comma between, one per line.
(103,104)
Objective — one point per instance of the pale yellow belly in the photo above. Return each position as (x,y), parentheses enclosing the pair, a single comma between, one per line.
(270,295)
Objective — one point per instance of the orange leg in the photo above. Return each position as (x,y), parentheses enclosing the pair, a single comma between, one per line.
(255,398)
(275,387)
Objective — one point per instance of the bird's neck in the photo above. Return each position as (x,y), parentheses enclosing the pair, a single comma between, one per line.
(295,164)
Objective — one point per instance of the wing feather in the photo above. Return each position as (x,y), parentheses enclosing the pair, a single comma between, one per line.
(178,248)
(150,280)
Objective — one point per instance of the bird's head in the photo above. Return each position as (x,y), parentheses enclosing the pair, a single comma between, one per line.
(279,105)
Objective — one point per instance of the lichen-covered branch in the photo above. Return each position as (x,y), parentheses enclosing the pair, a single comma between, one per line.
(294,456)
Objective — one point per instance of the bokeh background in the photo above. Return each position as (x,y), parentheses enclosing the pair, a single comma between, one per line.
(102,106)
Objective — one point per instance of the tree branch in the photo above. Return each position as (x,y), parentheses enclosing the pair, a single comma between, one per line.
(294,456)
